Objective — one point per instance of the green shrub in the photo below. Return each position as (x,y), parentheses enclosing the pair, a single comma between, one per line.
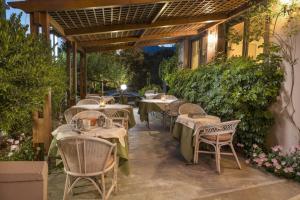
(27,72)
(236,88)
(154,87)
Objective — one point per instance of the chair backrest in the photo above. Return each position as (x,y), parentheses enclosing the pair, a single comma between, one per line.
(84,156)
(120,116)
(170,97)
(87,102)
(158,96)
(221,128)
(174,107)
(97,98)
(149,92)
(108,99)
(71,112)
(190,108)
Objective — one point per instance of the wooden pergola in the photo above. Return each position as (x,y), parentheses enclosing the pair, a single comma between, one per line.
(101,25)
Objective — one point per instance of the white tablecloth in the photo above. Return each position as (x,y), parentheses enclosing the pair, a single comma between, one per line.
(202,121)
(66,130)
(107,106)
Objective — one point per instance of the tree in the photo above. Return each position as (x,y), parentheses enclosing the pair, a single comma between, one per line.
(27,72)
(106,67)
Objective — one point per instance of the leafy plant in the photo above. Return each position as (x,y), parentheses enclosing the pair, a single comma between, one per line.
(236,88)
(27,72)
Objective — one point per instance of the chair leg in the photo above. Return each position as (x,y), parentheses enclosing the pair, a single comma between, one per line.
(66,188)
(235,156)
(103,187)
(196,151)
(171,125)
(218,158)
(115,176)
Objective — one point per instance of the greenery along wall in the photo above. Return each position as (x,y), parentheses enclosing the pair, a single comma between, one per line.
(27,72)
(236,88)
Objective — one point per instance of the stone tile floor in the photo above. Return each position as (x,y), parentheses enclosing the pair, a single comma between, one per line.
(158,172)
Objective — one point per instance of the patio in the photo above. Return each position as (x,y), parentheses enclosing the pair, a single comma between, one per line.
(230,83)
(159,172)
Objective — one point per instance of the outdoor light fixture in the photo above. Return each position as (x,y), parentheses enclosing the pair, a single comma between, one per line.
(123,87)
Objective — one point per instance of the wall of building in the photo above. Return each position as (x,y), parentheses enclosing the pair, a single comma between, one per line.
(284,132)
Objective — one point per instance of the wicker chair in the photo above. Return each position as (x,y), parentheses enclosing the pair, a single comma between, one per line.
(172,111)
(158,96)
(218,135)
(170,97)
(88,158)
(190,108)
(118,116)
(149,92)
(71,112)
(97,98)
(87,102)
(92,95)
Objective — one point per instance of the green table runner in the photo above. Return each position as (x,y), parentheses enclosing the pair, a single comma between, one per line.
(145,108)
(185,136)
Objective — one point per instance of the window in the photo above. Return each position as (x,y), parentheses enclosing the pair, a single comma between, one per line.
(195,54)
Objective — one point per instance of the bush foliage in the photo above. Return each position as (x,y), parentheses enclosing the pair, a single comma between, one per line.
(27,72)
(235,88)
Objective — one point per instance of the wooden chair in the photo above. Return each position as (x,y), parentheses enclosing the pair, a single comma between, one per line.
(170,97)
(218,135)
(87,102)
(71,112)
(190,108)
(172,111)
(120,116)
(88,158)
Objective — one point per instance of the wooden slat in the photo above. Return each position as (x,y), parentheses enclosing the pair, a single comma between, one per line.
(165,23)
(135,39)
(124,46)
(59,5)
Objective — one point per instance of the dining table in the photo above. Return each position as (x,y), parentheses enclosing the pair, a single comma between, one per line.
(116,135)
(184,132)
(147,106)
(131,122)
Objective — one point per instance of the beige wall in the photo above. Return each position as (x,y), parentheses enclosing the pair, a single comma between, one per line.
(284,132)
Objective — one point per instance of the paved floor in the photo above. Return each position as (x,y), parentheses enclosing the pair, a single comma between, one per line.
(158,172)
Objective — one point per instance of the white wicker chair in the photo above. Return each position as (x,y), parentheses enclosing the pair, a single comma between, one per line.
(71,112)
(218,135)
(190,108)
(149,92)
(172,111)
(158,96)
(119,116)
(170,97)
(88,158)
(97,98)
(87,102)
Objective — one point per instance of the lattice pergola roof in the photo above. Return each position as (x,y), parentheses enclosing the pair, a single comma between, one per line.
(109,24)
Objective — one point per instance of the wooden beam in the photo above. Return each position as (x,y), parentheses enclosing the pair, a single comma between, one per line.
(45,23)
(126,46)
(68,70)
(135,39)
(61,5)
(159,24)
(57,27)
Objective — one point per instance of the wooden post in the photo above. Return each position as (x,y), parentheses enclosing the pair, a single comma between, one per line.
(42,125)
(34,23)
(68,72)
(82,75)
(45,23)
(74,74)
(221,39)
